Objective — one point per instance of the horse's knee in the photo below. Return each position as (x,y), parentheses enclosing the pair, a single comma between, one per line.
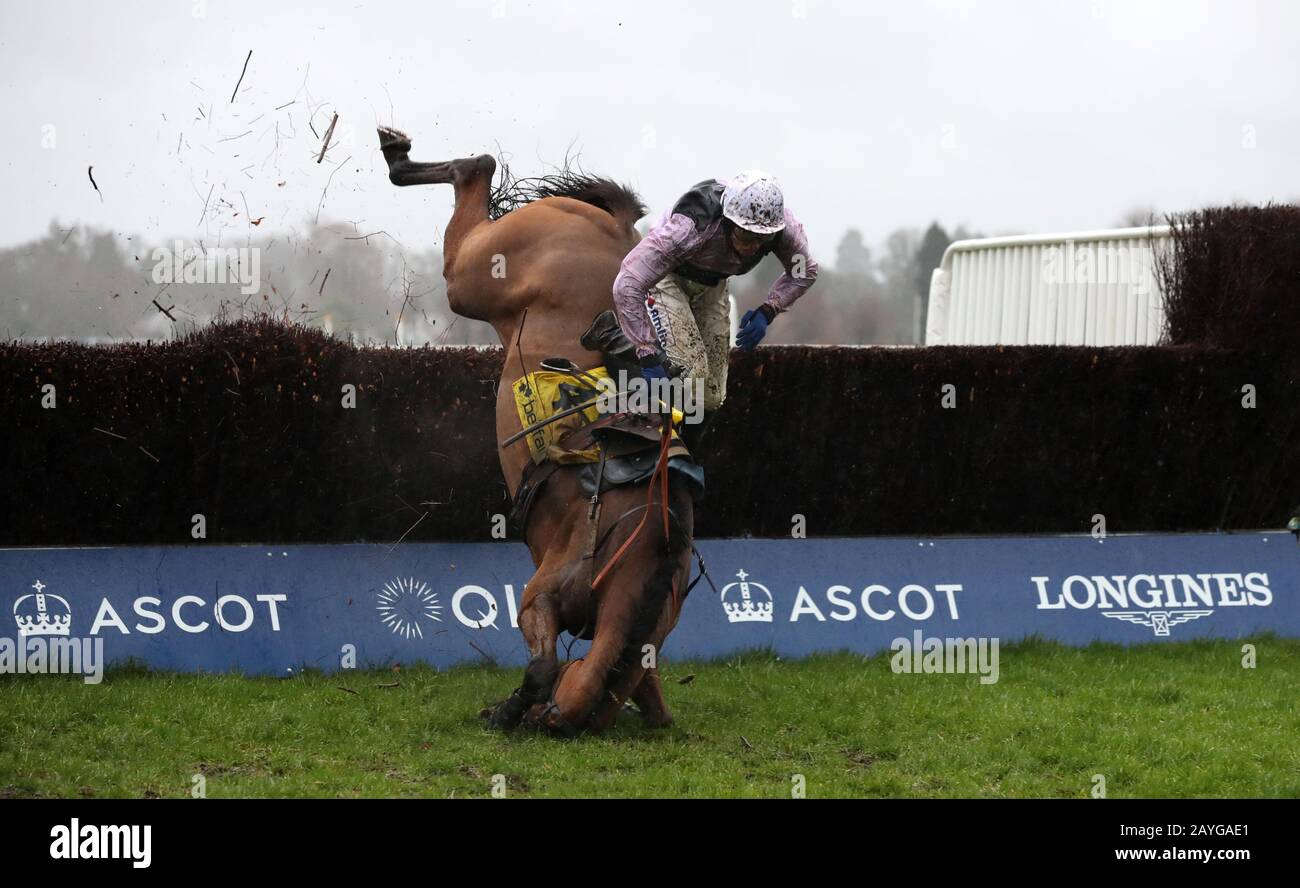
(471,168)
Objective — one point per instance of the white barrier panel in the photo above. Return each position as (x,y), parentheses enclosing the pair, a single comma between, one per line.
(1085,288)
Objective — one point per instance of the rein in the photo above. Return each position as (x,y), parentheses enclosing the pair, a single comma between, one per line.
(660,472)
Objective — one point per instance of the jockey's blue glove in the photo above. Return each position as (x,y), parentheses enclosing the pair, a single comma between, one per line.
(654,371)
(653,365)
(753,326)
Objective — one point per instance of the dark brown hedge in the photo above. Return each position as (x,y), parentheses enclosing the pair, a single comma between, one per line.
(1233,279)
(243,423)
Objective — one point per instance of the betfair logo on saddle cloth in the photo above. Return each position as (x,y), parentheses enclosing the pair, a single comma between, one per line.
(544,393)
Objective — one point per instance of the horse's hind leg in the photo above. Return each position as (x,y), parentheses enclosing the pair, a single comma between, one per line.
(591,691)
(649,698)
(645,691)
(581,688)
(638,682)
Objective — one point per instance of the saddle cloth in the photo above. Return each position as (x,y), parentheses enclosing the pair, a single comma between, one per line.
(544,393)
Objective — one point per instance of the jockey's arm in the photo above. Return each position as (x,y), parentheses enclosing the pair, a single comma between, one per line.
(800,268)
(659,252)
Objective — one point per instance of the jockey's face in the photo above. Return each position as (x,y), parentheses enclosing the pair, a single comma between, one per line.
(747,243)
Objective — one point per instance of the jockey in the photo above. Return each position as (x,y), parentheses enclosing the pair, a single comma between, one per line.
(671,293)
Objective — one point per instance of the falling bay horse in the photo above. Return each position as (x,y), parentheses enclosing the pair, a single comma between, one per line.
(539,274)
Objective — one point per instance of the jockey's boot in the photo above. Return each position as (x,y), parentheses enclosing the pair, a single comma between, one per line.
(607,337)
(693,433)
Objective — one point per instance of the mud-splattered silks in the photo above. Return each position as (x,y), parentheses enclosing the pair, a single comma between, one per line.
(692,323)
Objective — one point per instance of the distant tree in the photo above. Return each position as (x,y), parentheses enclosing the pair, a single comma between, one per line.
(1137,217)
(853,257)
(77,283)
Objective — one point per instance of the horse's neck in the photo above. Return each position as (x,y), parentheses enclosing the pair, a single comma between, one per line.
(541,332)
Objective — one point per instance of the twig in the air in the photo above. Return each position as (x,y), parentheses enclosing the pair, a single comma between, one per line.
(447,331)
(329,132)
(408,530)
(367,237)
(205,203)
(327,186)
(90,171)
(406,298)
(241,76)
(166,311)
(321,292)
(486,656)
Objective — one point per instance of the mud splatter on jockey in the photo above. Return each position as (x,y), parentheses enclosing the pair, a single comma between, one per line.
(671,291)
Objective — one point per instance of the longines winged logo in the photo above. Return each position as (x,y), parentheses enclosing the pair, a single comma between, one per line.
(1159,621)
(42,613)
(403,603)
(742,606)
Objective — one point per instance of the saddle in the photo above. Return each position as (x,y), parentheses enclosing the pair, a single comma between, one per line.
(626,447)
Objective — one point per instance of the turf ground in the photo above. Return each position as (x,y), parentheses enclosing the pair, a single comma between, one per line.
(1158,720)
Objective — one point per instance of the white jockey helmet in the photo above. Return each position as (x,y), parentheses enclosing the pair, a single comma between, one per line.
(754,201)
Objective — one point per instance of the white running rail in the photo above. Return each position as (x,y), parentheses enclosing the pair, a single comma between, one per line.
(1082,288)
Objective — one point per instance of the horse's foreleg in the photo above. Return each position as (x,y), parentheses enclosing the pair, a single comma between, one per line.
(402,171)
(540,627)
(472,178)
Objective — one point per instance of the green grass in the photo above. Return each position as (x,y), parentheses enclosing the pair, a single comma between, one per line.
(1158,720)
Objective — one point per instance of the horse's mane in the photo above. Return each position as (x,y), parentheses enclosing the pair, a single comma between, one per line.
(568,180)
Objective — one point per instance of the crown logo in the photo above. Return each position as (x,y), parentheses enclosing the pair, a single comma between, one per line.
(41,614)
(742,606)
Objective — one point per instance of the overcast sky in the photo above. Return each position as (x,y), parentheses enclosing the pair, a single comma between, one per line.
(1027,116)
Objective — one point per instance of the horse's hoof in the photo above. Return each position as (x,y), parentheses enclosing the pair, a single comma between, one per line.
(505,716)
(391,138)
